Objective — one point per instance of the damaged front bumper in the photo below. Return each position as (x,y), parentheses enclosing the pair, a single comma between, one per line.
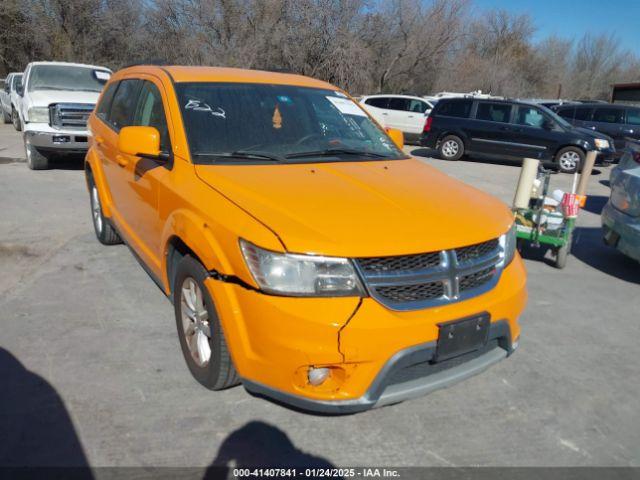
(376,356)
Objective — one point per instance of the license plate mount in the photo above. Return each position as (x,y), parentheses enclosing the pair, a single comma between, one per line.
(462,336)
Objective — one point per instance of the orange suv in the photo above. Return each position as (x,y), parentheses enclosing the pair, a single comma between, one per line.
(307,257)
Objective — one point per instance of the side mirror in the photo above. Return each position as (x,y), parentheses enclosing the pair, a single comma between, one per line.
(140,142)
(397,136)
(20,90)
(548,124)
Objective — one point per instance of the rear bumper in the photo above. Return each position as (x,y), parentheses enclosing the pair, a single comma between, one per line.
(621,231)
(387,390)
(47,138)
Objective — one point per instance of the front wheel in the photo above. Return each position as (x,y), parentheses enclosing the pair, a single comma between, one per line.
(36,160)
(105,233)
(451,147)
(15,119)
(569,159)
(201,337)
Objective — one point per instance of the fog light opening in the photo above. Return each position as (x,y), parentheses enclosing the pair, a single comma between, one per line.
(317,376)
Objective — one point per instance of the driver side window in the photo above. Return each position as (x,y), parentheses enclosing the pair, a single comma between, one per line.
(530,117)
(149,112)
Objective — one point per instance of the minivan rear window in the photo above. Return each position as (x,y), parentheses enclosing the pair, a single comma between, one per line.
(458,108)
(633,116)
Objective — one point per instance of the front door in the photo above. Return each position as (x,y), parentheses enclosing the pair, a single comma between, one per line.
(143,176)
(609,120)
(534,134)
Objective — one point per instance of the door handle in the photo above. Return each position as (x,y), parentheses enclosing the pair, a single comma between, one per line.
(123,162)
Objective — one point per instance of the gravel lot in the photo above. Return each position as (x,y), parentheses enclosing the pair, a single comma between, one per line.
(105,382)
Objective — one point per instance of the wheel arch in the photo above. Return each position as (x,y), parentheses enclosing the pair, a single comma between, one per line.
(93,168)
(460,135)
(565,145)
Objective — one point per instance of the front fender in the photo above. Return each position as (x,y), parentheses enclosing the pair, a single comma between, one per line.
(106,202)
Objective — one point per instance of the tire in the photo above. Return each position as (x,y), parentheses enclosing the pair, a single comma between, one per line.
(105,233)
(201,337)
(36,160)
(562,253)
(15,119)
(451,148)
(569,159)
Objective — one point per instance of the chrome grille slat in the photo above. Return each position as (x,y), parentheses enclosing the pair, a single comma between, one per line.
(418,281)
(70,115)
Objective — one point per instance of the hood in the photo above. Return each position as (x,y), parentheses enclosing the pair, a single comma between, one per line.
(43,98)
(361,208)
(594,134)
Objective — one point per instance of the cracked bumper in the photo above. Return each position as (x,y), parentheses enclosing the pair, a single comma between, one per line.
(376,356)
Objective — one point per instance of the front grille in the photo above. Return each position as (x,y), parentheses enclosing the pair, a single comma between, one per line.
(400,263)
(473,252)
(476,279)
(70,115)
(411,282)
(424,369)
(412,293)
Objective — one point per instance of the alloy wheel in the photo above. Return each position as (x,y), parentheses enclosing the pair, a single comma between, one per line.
(96,211)
(569,161)
(450,148)
(195,322)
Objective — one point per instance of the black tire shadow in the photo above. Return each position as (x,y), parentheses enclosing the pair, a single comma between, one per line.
(589,248)
(35,427)
(260,445)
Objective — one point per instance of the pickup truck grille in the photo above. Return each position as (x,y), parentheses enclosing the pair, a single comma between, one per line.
(411,282)
(70,115)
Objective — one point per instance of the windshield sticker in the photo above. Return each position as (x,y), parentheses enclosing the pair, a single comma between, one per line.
(200,106)
(277,118)
(346,106)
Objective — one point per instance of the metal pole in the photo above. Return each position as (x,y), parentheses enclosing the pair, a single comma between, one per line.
(587,168)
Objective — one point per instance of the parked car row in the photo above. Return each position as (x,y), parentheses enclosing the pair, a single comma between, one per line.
(51,102)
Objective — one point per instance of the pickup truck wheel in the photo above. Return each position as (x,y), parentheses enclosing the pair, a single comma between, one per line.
(201,337)
(15,119)
(36,160)
(569,159)
(451,147)
(105,232)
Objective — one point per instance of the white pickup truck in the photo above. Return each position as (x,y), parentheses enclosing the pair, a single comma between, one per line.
(57,99)
(10,100)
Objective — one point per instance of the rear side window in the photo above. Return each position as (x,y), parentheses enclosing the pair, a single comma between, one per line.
(494,112)
(583,113)
(633,116)
(417,106)
(124,104)
(608,115)
(150,113)
(566,113)
(460,108)
(102,110)
(398,104)
(380,102)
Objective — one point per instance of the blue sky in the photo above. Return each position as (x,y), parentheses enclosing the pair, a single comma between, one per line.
(572,18)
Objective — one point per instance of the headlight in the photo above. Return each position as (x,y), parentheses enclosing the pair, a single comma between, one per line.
(301,275)
(38,114)
(601,144)
(508,244)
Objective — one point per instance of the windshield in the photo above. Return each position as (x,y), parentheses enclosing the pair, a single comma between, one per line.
(278,123)
(65,77)
(556,117)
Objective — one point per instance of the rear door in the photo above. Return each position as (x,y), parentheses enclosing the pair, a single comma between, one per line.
(377,107)
(398,112)
(416,116)
(491,132)
(609,120)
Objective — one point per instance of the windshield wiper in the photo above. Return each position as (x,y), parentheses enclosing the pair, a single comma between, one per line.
(244,154)
(332,152)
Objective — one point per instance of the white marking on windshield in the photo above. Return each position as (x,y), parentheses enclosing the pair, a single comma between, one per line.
(200,106)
